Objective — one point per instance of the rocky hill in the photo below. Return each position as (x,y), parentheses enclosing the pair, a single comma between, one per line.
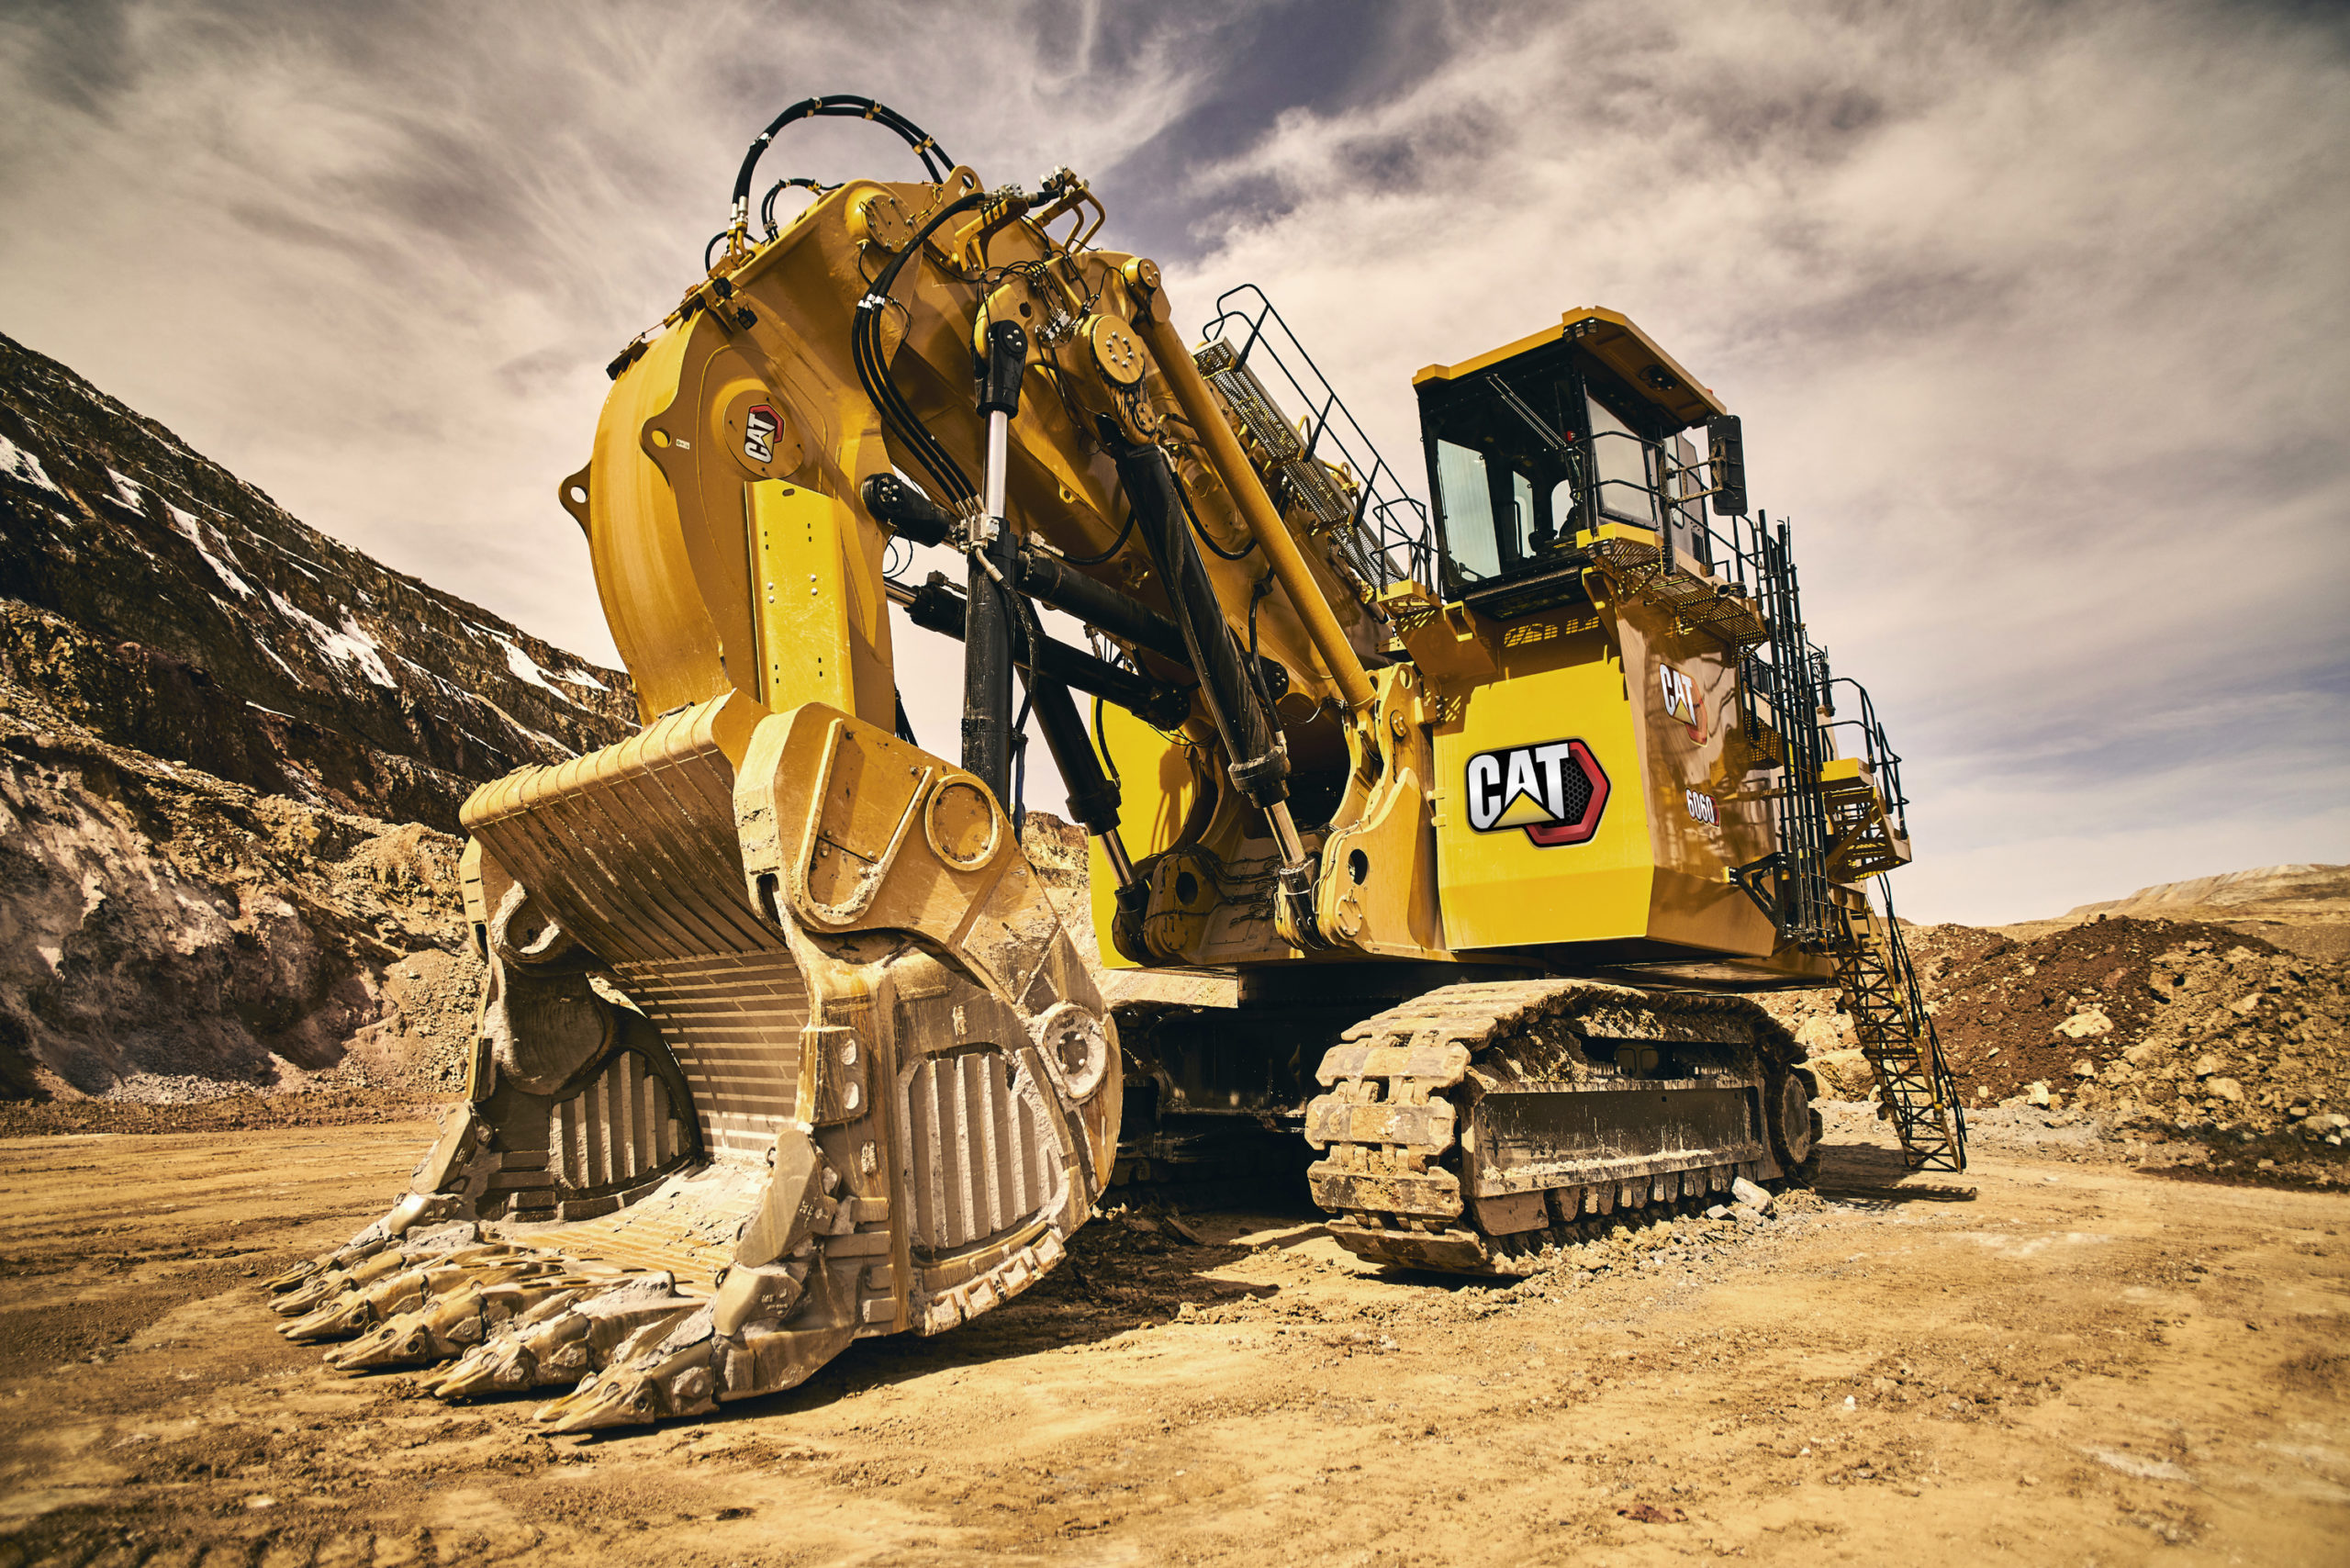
(170,608)
(232,755)
(2303,909)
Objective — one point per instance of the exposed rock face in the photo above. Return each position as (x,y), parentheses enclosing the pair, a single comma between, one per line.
(173,608)
(165,936)
(231,756)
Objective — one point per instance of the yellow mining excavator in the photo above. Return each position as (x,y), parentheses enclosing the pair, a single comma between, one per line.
(1484,808)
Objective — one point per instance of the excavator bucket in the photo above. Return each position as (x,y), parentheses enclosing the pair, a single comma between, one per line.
(783,1045)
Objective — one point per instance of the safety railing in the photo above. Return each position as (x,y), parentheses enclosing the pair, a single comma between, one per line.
(1384,532)
(1670,498)
(1871,746)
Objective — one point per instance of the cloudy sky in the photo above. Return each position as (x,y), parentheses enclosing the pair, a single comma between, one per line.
(2039,315)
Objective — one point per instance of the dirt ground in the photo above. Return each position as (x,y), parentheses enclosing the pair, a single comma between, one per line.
(2045,1361)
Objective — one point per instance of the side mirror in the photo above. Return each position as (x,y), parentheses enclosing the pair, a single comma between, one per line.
(1726,456)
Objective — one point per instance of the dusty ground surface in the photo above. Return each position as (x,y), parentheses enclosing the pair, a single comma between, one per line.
(2050,1362)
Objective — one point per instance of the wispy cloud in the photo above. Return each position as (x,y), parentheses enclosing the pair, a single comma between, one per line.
(2035,311)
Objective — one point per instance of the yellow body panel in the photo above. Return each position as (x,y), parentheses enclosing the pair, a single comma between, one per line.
(1498,886)
(1160,788)
(1655,705)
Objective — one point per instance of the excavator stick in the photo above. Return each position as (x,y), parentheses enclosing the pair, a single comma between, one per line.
(783,1045)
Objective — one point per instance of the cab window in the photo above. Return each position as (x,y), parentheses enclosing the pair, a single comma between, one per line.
(1467,499)
(1621,463)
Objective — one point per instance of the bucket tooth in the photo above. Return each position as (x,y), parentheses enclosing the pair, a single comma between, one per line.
(413,1288)
(567,1338)
(408,1339)
(329,1284)
(310,1273)
(676,1378)
(355,1267)
(506,1362)
(782,1045)
(453,1324)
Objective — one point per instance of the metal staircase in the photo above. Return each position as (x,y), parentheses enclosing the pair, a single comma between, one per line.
(1890,1018)
(1840,822)
(1863,838)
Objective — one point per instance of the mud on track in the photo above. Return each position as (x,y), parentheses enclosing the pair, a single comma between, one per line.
(2072,1364)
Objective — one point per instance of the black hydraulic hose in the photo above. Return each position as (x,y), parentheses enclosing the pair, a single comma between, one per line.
(1256,761)
(873,373)
(1220,551)
(1125,531)
(842,105)
(766,202)
(1101,743)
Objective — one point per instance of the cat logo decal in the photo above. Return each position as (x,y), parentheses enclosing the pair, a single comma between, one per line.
(1683,700)
(1555,790)
(759,425)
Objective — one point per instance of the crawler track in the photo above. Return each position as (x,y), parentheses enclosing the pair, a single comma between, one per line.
(1472,1127)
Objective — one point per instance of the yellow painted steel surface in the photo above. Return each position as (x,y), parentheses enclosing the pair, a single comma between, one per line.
(812,608)
(1655,706)
(1500,888)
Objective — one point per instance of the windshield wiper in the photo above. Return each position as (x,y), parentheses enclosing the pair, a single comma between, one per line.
(1517,406)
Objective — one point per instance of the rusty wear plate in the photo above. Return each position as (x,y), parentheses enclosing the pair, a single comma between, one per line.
(1596,1133)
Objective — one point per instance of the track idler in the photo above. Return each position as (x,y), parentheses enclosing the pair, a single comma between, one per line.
(782,1046)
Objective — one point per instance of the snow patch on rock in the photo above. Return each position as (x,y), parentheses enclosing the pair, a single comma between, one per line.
(351,645)
(529,669)
(19,463)
(192,528)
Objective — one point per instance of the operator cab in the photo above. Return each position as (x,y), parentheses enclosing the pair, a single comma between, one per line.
(1533,447)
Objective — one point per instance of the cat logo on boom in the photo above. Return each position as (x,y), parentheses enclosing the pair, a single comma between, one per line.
(759,426)
(1554,789)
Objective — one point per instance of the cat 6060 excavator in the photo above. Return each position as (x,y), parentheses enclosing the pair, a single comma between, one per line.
(1486,806)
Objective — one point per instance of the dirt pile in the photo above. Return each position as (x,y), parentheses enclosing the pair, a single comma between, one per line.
(2156,1024)
(2145,1030)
